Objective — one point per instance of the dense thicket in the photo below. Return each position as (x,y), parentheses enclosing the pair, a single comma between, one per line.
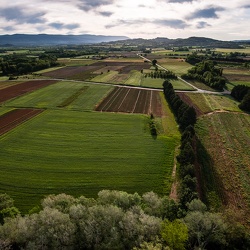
(23,64)
(207,72)
(242,94)
(117,220)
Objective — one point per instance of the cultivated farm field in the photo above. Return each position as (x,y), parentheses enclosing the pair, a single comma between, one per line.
(226,161)
(63,94)
(208,103)
(69,147)
(81,153)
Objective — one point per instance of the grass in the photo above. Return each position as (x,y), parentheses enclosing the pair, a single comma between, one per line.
(209,103)
(47,70)
(54,95)
(226,137)
(201,85)
(227,140)
(75,61)
(180,85)
(223,50)
(4,110)
(105,77)
(135,78)
(81,153)
(178,66)
(237,76)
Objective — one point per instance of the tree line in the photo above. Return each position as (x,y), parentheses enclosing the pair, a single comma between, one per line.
(14,65)
(185,114)
(117,220)
(186,118)
(163,74)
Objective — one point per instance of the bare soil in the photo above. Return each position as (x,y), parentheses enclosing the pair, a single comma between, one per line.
(23,88)
(15,117)
(132,100)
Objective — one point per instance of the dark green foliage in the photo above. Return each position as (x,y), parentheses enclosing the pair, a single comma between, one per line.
(186,117)
(161,74)
(239,91)
(152,126)
(23,64)
(7,208)
(242,93)
(245,103)
(184,114)
(154,62)
(194,58)
(207,72)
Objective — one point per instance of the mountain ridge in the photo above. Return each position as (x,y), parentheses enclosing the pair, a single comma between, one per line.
(49,39)
(57,39)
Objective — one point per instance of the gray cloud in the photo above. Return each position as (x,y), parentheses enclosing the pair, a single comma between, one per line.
(246,6)
(88,5)
(202,25)
(18,14)
(60,26)
(180,1)
(172,23)
(210,12)
(176,1)
(106,13)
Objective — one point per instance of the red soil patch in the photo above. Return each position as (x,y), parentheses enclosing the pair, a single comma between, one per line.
(22,88)
(132,100)
(125,67)
(15,117)
(187,100)
(68,72)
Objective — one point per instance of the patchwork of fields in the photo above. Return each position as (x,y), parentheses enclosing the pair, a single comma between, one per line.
(66,149)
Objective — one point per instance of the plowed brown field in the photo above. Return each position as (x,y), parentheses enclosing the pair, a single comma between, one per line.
(132,100)
(23,88)
(15,117)
(71,71)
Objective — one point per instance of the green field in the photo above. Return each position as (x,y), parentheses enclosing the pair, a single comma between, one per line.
(54,95)
(226,169)
(75,61)
(208,103)
(178,66)
(81,153)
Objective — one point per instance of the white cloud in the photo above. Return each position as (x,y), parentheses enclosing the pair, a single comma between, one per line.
(166,18)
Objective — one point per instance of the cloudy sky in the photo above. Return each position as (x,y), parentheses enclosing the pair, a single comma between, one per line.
(218,19)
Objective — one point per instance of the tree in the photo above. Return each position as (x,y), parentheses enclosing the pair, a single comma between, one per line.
(7,208)
(205,228)
(154,62)
(175,234)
